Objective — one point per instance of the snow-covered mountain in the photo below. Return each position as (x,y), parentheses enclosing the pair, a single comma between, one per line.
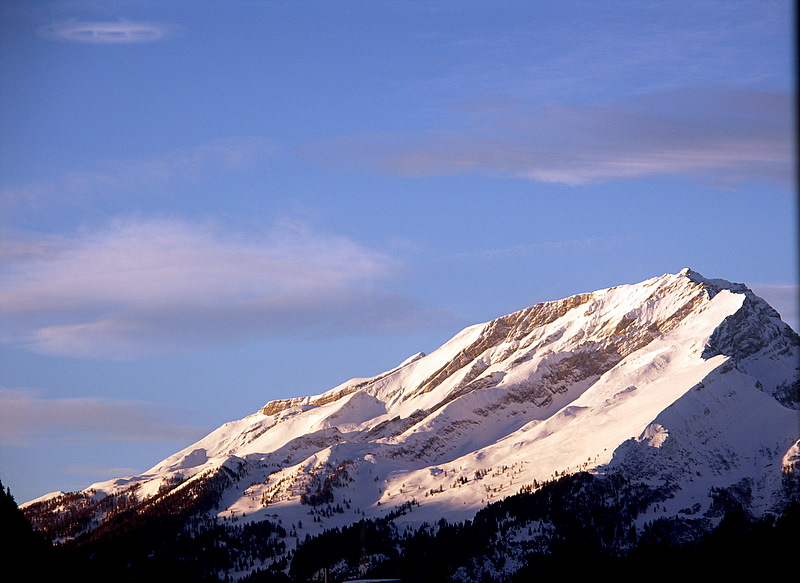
(679,381)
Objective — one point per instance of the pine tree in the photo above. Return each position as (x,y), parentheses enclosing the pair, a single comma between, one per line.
(19,542)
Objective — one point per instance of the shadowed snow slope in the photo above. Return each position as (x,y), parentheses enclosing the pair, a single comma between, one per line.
(678,380)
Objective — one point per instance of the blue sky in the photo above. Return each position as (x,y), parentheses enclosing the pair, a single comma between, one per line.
(209,205)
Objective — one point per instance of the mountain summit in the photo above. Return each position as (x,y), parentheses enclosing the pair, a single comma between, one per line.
(680,383)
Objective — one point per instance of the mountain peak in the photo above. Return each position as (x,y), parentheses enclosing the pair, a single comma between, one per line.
(714,284)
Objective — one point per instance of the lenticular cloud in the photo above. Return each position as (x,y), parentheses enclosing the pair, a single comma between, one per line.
(120,32)
(139,286)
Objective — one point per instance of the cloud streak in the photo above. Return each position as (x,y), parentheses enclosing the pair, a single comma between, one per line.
(719,135)
(146,174)
(145,286)
(25,415)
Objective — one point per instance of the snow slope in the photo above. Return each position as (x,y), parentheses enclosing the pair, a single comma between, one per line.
(676,380)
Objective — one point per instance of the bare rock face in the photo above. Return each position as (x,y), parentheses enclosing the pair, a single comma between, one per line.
(678,380)
(755,337)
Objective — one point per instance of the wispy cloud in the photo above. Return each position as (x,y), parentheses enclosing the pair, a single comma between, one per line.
(25,415)
(143,286)
(717,135)
(105,32)
(142,174)
(532,249)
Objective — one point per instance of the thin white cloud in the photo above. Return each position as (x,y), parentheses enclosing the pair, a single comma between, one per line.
(25,415)
(717,135)
(99,472)
(146,286)
(105,32)
(147,174)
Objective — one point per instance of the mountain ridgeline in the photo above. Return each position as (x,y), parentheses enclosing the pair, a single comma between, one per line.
(655,417)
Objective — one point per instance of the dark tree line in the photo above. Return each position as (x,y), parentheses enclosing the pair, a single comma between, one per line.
(574,520)
(19,542)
